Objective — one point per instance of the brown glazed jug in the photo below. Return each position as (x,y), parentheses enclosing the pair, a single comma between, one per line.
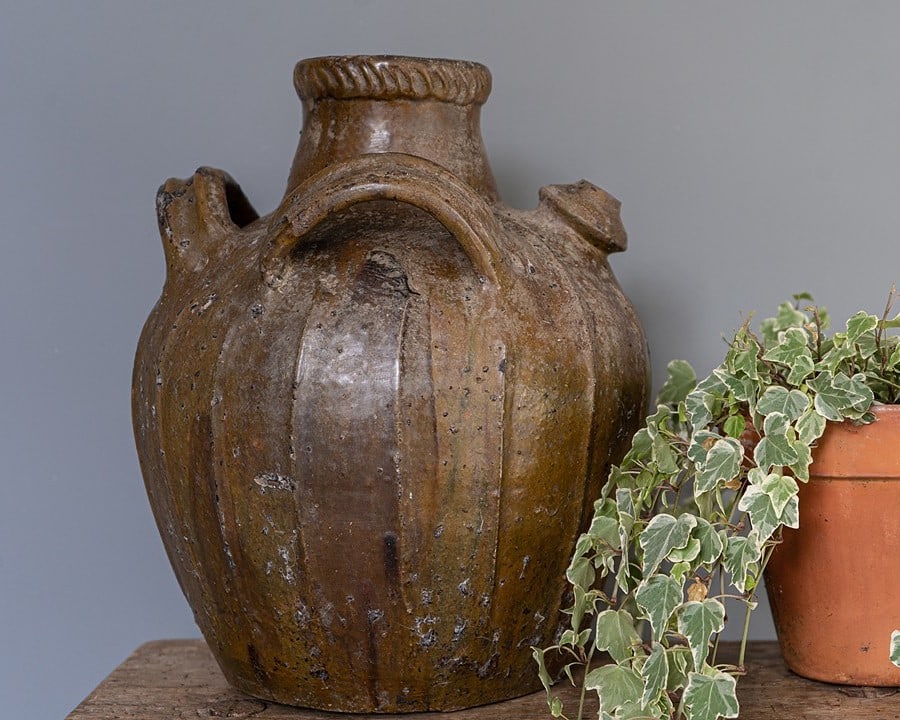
(371,423)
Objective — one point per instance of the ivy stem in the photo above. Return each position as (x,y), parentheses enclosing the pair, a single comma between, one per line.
(742,655)
(886,381)
(587,669)
(715,652)
(679,712)
(744,634)
(769,551)
(728,596)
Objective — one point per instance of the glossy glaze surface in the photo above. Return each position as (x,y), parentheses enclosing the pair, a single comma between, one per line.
(372,422)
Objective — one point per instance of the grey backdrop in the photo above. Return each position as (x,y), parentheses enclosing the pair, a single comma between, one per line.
(755,149)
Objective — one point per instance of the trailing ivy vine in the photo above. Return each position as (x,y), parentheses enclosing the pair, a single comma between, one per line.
(691,516)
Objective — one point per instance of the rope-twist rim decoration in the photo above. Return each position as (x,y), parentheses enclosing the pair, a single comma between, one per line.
(386,77)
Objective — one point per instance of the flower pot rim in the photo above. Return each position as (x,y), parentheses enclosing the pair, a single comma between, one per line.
(860,452)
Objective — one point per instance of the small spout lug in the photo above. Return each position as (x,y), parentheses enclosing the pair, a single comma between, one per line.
(590,211)
(194,216)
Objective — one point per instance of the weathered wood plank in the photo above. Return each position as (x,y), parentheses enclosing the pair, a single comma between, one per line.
(178,679)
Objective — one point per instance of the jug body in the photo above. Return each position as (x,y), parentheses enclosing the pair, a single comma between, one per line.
(371,424)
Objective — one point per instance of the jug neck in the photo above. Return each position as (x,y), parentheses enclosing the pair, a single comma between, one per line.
(356,105)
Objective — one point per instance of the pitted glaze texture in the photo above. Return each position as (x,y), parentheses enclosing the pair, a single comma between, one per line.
(372,423)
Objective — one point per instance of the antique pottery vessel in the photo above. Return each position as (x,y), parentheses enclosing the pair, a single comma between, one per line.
(371,423)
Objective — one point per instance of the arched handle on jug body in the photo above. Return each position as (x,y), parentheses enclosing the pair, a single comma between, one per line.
(388,176)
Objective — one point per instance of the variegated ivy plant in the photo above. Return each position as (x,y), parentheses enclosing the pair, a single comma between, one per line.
(691,516)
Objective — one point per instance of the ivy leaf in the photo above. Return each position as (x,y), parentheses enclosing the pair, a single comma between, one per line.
(581,573)
(584,544)
(664,456)
(836,394)
(679,662)
(604,532)
(834,358)
(625,507)
(710,697)
(687,554)
(789,317)
(859,392)
(699,408)
(734,426)
(810,427)
(554,703)
(679,571)
(894,359)
(701,443)
(722,463)
(742,388)
(742,553)
(582,602)
(776,424)
(646,479)
(828,401)
(658,596)
(701,403)
(624,580)
(654,674)
(616,685)
(573,639)
(759,501)
(790,403)
(780,488)
(604,506)
(774,449)
(800,468)
(658,420)
(802,367)
(616,634)
(866,345)
(895,647)
(710,542)
(640,445)
(859,325)
(769,332)
(663,534)
(792,344)
(745,362)
(698,621)
(791,515)
(632,710)
(546,680)
(626,517)
(681,380)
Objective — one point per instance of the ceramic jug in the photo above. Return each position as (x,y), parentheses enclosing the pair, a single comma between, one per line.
(371,423)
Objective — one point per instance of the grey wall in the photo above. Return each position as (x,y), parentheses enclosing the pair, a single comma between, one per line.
(755,148)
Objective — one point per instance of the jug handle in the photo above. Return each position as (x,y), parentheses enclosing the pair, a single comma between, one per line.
(387,176)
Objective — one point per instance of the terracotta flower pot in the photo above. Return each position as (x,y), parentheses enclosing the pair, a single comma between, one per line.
(834,584)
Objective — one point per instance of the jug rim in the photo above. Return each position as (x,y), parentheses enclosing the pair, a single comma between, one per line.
(392,77)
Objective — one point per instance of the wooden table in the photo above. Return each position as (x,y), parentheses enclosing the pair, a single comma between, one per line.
(178,679)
